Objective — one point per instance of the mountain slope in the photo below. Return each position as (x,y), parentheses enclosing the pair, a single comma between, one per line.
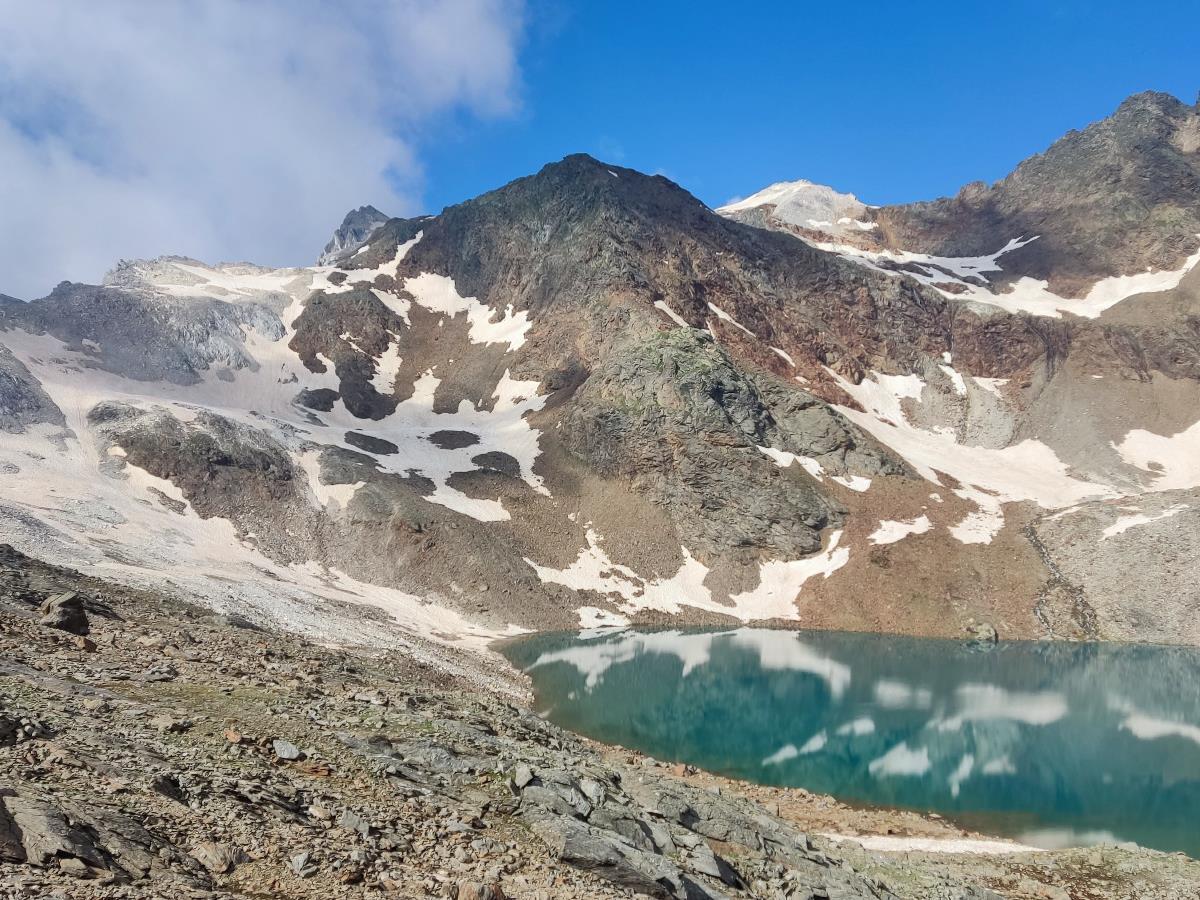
(585,398)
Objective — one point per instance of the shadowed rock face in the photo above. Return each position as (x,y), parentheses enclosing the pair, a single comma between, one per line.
(22,400)
(145,337)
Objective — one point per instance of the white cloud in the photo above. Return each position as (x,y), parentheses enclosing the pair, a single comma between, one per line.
(222,129)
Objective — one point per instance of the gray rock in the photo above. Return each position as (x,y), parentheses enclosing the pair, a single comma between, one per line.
(354,231)
(23,402)
(65,612)
(706,862)
(301,864)
(610,856)
(285,750)
(40,830)
(352,821)
(522,775)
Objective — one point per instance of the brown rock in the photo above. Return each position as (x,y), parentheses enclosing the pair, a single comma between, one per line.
(473,890)
(217,858)
(76,868)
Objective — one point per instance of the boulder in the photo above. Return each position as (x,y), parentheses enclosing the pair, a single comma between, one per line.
(608,855)
(66,613)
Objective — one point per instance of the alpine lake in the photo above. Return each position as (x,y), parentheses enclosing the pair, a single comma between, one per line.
(1052,744)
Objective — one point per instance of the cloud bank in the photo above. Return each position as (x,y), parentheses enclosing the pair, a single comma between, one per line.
(225,129)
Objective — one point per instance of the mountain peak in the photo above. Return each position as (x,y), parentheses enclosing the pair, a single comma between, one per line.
(354,231)
(1159,101)
(801,204)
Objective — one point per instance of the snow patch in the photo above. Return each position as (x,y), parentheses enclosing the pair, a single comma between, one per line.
(890,530)
(960,385)
(859,483)
(725,317)
(959,278)
(990,477)
(991,385)
(1124,523)
(592,617)
(387,368)
(783,459)
(438,294)
(663,307)
(1174,460)
(891,844)
(779,582)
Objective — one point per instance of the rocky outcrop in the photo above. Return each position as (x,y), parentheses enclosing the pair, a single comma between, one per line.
(1119,197)
(354,231)
(23,402)
(42,831)
(675,418)
(122,328)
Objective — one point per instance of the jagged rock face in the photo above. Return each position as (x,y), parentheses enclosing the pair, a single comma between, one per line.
(585,397)
(175,339)
(22,400)
(580,235)
(351,234)
(677,420)
(1120,197)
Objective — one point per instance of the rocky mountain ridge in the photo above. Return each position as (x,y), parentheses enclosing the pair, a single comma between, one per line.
(584,398)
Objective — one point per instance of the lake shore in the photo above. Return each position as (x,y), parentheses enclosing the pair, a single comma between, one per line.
(201,756)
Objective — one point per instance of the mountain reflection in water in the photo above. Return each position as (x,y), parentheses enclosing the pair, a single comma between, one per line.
(1053,743)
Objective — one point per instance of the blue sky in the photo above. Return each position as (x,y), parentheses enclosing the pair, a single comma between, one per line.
(891,101)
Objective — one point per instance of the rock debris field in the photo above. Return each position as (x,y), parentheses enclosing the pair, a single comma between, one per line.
(151,749)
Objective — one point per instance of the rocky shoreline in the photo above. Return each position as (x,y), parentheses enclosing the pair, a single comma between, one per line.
(149,748)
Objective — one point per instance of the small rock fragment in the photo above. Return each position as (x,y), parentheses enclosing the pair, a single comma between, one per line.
(285,750)
(474,890)
(301,864)
(217,858)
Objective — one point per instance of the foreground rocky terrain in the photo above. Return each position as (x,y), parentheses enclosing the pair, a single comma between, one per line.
(150,748)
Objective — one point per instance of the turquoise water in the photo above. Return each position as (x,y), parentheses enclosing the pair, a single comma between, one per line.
(1057,744)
